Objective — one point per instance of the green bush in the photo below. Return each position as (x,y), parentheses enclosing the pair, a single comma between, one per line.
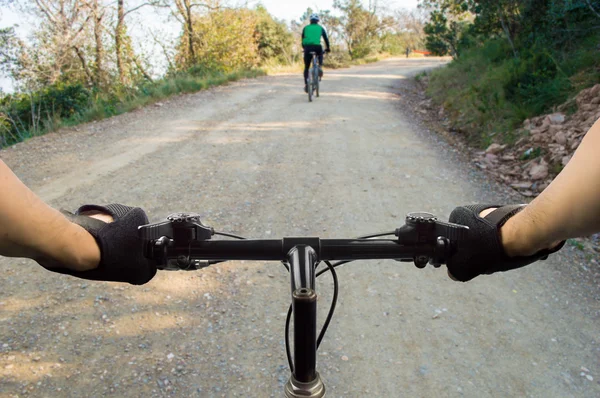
(23,116)
(487,91)
(337,59)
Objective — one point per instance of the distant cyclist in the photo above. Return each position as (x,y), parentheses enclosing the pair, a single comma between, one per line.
(311,42)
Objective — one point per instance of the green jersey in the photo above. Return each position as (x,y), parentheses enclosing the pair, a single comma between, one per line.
(311,35)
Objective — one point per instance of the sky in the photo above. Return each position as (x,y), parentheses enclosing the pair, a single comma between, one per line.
(148,19)
(290,9)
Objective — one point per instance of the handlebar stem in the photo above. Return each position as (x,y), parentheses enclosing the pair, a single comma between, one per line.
(303,260)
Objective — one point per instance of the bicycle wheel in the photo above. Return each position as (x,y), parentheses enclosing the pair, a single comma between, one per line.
(316,79)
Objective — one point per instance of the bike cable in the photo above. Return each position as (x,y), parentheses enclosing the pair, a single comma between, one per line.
(229,235)
(330,268)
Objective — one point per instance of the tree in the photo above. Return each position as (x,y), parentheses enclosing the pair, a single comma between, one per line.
(408,31)
(224,41)
(274,39)
(123,48)
(361,27)
(56,42)
(448,20)
(98,13)
(8,49)
(185,12)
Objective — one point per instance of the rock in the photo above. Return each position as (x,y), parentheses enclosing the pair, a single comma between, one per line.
(541,187)
(159,104)
(426,103)
(537,137)
(566,159)
(495,148)
(538,131)
(521,185)
(554,129)
(556,118)
(574,130)
(491,158)
(589,109)
(561,138)
(589,121)
(573,145)
(539,171)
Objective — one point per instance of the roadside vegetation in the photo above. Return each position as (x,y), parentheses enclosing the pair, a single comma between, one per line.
(512,60)
(80,63)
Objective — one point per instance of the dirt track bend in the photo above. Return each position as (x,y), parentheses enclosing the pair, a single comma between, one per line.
(255,158)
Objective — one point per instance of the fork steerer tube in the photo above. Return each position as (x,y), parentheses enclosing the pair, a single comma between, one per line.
(302,260)
(304,305)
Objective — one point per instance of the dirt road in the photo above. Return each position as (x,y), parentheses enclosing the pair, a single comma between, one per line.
(255,158)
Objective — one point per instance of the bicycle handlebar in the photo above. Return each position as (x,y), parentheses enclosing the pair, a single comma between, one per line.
(182,242)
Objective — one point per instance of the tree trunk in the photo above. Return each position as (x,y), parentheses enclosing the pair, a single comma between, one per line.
(119,33)
(87,71)
(98,16)
(592,8)
(142,70)
(507,33)
(190,29)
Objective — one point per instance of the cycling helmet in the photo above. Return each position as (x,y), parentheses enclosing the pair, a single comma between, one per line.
(314,17)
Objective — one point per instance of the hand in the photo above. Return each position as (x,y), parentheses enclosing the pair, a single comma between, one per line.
(485,251)
(114,228)
(328,50)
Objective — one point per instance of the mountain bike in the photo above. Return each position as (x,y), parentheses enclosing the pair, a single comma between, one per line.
(182,242)
(313,77)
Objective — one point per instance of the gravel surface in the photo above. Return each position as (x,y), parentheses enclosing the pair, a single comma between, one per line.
(256,159)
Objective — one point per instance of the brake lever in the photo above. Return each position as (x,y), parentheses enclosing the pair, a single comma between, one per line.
(181,229)
(424,228)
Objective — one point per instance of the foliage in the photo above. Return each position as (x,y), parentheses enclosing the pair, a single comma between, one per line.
(25,115)
(443,35)
(514,60)
(8,48)
(273,37)
(362,27)
(224,40)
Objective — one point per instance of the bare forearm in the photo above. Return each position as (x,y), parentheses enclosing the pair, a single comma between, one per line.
(30,228)
(568,208)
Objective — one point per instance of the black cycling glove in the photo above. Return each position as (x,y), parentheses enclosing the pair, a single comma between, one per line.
(121,254)
(483,252)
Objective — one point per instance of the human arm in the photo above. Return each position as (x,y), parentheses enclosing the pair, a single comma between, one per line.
(30,228)
(96,242)
(326,39)
(509,237)
(302,38)
(569,207)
